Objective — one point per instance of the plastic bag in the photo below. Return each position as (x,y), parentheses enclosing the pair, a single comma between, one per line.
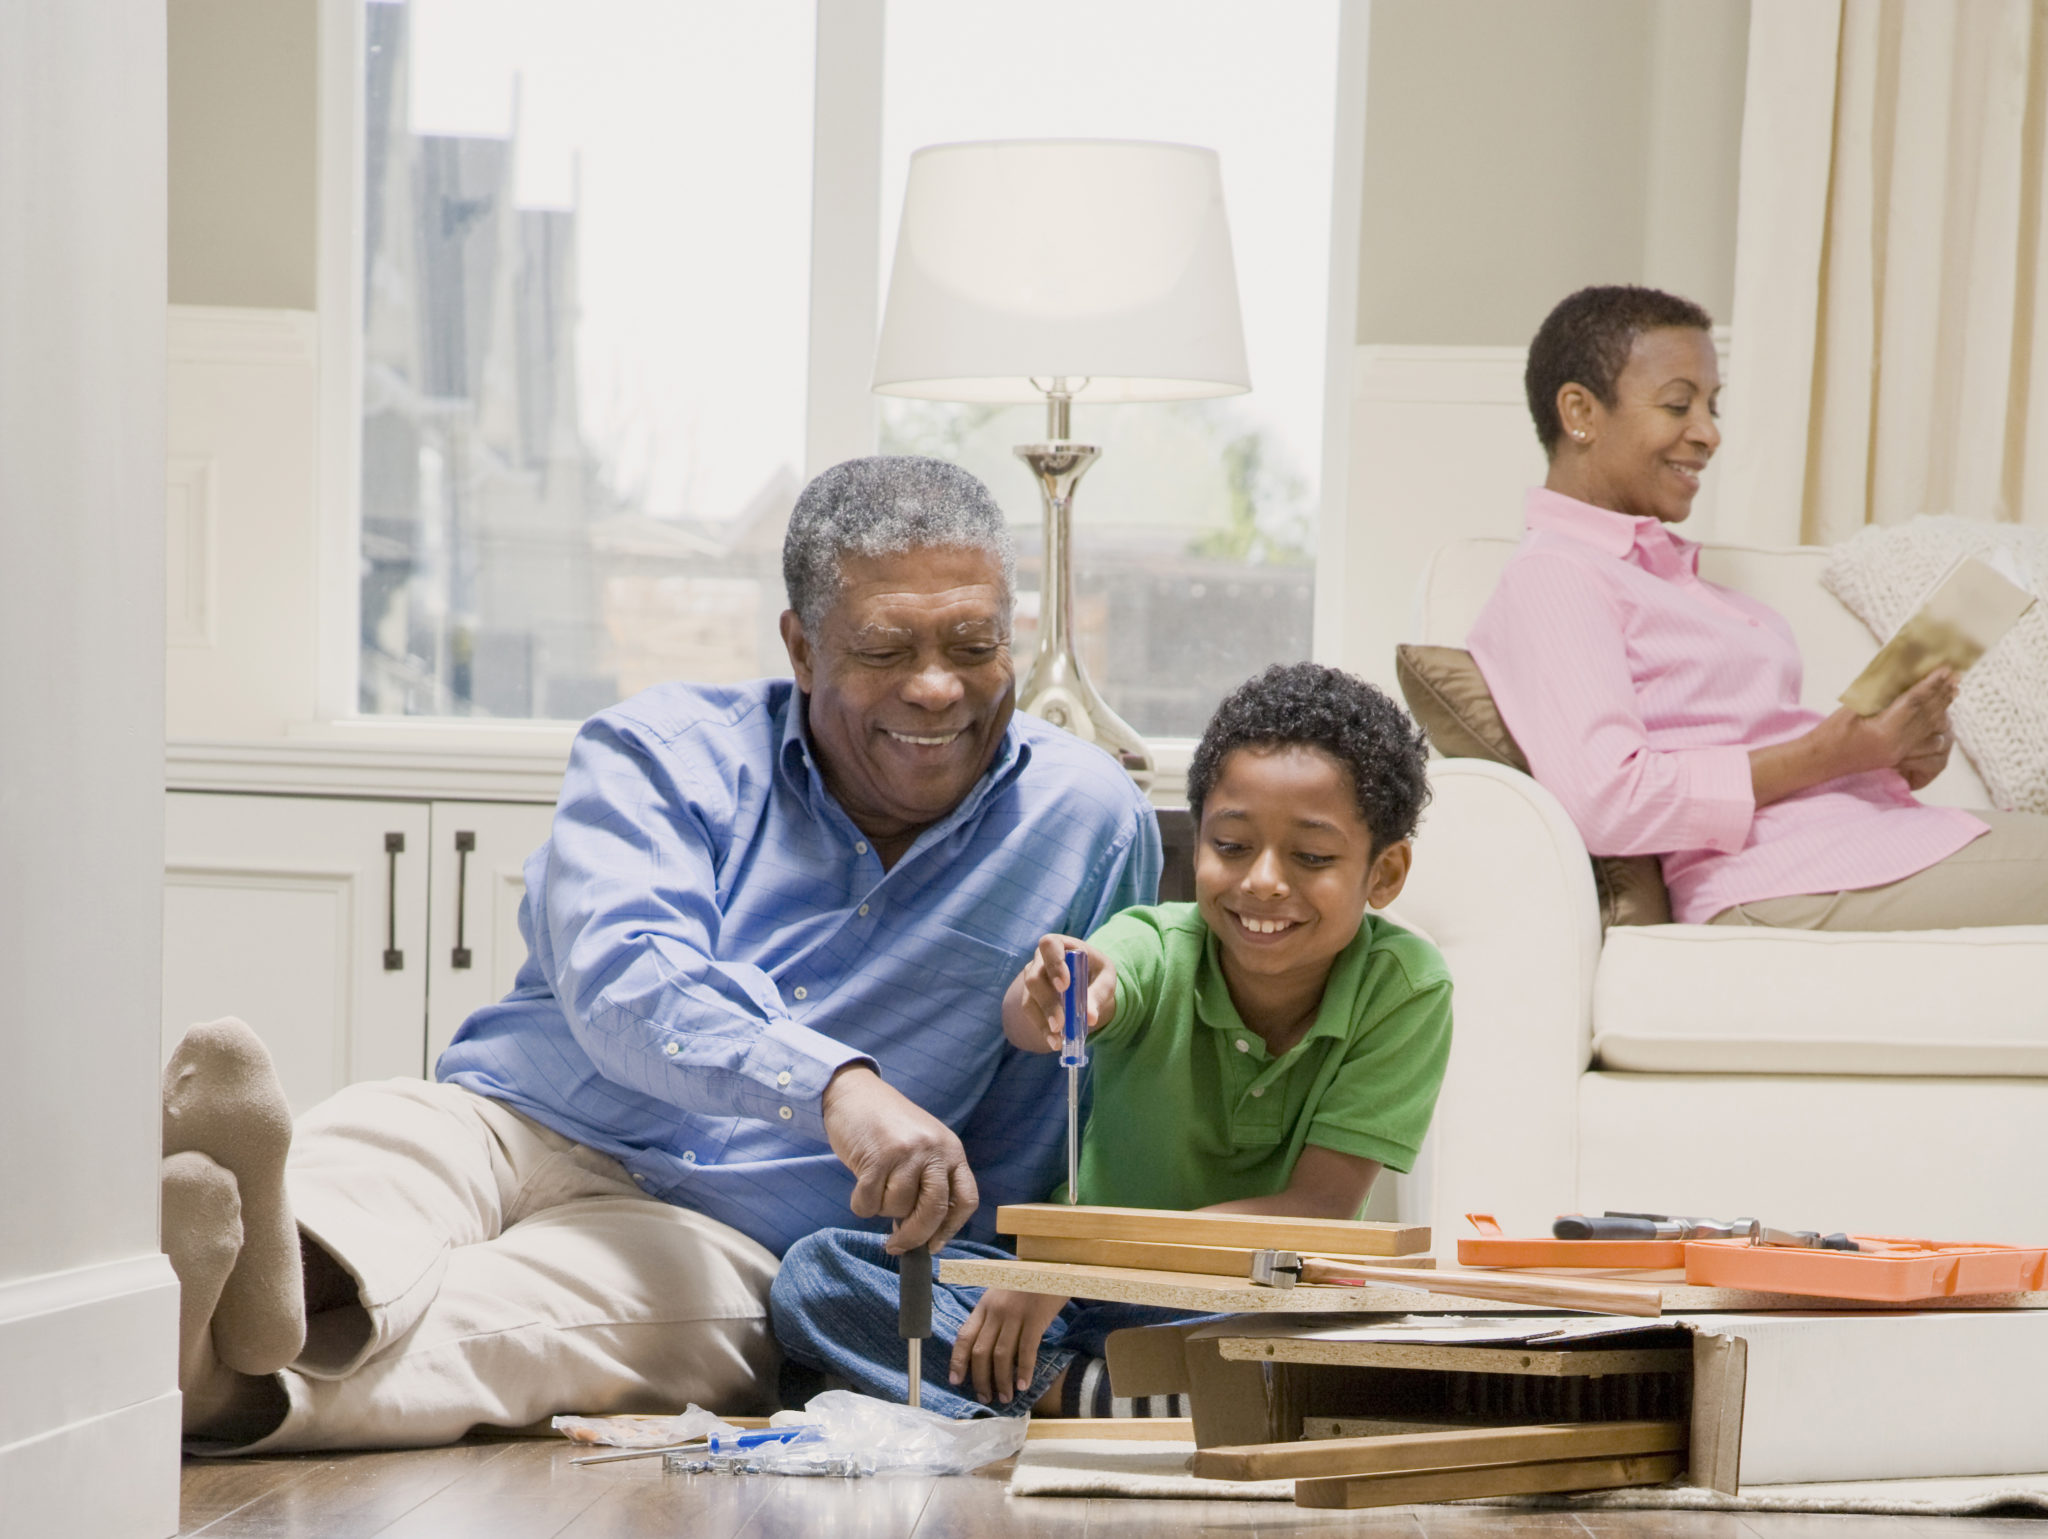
(643,1431)
(899,1438)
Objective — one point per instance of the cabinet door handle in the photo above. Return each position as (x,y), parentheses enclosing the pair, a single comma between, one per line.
(394,959)
(465,841)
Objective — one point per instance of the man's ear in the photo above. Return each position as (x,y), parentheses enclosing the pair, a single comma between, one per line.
(1389,873)
(801,661)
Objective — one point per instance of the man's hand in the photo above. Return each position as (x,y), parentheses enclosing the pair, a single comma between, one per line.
(998,1343)
(1034,1007)
(907,1165)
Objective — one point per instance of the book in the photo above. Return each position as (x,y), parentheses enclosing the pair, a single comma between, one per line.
(1964,617)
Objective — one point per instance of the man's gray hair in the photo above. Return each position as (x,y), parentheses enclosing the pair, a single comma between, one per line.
(881,506)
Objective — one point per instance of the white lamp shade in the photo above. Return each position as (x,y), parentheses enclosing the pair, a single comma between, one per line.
(1103,260)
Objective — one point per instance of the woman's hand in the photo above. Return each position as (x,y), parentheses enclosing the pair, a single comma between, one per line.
(998,1344)
(1911,735)
(1034,1008)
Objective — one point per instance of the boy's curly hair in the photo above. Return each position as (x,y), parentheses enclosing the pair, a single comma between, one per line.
(1374,740)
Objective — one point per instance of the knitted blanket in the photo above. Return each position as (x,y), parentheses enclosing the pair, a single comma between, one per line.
(2001,713)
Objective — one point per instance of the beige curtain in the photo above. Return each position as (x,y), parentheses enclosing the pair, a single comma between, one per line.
(1890,335)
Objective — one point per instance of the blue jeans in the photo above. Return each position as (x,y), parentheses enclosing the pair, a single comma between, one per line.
(834,1309)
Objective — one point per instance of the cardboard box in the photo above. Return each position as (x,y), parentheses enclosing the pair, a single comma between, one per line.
(1770,1398)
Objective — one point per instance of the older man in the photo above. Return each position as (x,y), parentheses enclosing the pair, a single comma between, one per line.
(767,943)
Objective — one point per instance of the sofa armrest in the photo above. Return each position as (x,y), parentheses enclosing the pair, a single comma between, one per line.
(1502,885)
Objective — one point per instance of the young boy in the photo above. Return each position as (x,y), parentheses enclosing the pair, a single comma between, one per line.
(1265,1049)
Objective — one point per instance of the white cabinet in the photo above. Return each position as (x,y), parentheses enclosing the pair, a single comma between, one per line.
(330,924)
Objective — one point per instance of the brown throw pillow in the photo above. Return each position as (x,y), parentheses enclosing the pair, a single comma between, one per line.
(1449,697)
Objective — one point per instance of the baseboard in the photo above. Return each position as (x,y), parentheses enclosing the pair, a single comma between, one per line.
(89,1416)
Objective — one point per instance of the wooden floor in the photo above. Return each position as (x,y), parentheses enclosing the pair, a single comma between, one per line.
(529,1490)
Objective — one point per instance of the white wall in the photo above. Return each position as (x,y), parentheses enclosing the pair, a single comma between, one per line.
(88,1308)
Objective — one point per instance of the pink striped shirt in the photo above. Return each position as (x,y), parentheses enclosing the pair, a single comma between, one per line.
(1637,690)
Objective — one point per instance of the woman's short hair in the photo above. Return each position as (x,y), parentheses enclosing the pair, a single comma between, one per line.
(1586,341)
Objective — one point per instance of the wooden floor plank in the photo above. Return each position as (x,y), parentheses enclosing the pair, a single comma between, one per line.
(356,1496)
(211,1489)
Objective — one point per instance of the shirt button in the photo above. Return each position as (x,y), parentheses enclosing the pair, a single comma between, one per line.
(1243,1046)
(785,1114)
(861,848)
(1258,1092)
(802,992)
(689,1156)
(863,911)
(671,1048)
(638,1179)
(782,1078)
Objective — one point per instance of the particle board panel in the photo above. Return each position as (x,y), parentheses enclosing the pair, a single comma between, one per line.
(1133,1429)
(1425,1452)
(1218,1295)
(1324,1236)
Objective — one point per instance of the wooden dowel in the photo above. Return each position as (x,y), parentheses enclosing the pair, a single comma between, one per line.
(1598,1296)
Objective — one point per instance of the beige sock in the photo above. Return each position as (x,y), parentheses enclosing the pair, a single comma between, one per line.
(202,1222)
(222,1100)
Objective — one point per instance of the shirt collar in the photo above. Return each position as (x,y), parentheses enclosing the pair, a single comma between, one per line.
(1215,1008)
(797,758)
(1645,542)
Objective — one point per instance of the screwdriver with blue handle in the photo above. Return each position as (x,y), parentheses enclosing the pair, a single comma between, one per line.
(1074,1058)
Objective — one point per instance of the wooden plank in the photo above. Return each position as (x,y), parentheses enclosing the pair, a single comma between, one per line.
(1389,1426)
(1720,1372)
(1134,1429)
(1333,1236)
(1421,1452)
(1564,1363)
(1493,1480)
(1593,1297)
(1149,1255)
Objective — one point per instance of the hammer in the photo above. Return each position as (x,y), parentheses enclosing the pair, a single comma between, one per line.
(1284,1269)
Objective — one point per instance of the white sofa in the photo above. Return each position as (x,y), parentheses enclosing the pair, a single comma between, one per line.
(1888,1083)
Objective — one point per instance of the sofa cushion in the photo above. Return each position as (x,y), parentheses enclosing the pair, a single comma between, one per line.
(1707,999)
(1449,697)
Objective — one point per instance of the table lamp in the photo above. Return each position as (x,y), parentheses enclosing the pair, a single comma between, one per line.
(1064,270)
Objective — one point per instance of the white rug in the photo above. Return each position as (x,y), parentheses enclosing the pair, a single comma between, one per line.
(1087,1467)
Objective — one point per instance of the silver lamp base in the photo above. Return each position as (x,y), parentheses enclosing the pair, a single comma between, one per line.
(1056,688)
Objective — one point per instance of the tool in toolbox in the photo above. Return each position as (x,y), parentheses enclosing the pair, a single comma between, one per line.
(1669,1226)
(1074,1058)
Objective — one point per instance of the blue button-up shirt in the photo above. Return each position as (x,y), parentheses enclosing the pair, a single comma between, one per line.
(709,938)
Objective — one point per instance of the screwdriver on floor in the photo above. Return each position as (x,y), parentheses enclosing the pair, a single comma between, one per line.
(914,1311)
(1074,1058)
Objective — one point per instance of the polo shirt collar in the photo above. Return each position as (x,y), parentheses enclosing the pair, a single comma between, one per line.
(1216,1009)
(1648,543)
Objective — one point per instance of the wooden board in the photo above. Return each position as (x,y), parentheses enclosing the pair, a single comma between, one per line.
(1421,1452)
(1136,1429)
(1494,1480)
(1534,1361)
(1210,1260)
(1389,1426)
(1190,1290)
(1324,1236)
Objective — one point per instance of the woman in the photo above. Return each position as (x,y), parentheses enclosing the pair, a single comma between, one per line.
(1663,711)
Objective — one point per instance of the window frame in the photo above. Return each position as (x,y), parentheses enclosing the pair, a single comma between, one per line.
(841,413)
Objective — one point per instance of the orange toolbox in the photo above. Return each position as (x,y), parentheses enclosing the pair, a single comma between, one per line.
(1882,1269)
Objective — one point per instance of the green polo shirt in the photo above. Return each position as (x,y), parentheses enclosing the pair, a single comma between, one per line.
(1189,1107)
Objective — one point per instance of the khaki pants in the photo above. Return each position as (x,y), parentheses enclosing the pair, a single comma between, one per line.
(506,1274)
(1998,878)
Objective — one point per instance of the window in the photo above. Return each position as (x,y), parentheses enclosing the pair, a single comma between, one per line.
(1193,535)
(586,267)
(586,305)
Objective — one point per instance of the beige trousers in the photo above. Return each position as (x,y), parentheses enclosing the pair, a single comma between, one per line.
(506,1273)
(1998,878)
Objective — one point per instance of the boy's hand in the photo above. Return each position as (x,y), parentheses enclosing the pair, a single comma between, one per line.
(1034,1009)
(998,1343)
